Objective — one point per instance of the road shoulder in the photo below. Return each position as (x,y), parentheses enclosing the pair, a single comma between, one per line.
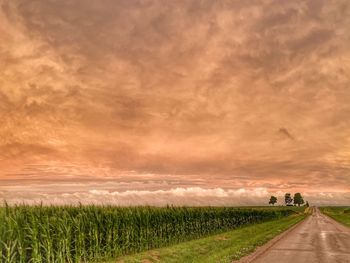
(265,247)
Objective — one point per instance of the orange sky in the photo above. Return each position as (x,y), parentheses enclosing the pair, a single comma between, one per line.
(185,102)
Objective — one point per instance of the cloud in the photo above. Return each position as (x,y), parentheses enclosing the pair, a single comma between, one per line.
(285,133)
(193,90)
(191,196)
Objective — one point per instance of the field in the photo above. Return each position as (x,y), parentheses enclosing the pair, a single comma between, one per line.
(222,248)
(341,214)
(96,233)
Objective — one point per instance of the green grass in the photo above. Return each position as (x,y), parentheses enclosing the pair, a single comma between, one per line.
(223,247)
(93,233)
(341,214)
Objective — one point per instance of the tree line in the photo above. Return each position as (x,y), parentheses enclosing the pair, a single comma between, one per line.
(289,201)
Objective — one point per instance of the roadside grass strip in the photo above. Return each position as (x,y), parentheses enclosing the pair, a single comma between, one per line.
(225,247)
(340,214)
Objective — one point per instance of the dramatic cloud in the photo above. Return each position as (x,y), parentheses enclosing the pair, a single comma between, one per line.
(164,95)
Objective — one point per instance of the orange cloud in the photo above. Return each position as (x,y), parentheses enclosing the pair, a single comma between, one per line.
(217,93)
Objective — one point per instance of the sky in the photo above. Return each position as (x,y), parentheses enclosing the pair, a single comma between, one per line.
(197,102)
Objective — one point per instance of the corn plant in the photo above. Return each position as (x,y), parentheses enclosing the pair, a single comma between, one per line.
(39,234)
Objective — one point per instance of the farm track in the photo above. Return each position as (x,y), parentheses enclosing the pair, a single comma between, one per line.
(316,239)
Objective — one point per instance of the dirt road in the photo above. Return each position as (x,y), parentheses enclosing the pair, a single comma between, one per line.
(317,239)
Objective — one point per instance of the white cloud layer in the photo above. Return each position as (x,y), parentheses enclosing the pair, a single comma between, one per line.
(174,196)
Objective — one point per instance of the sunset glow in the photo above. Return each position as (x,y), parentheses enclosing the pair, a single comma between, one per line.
(174,102)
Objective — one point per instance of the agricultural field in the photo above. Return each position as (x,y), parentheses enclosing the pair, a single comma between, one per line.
(341,214)
(98,233)
(223,248)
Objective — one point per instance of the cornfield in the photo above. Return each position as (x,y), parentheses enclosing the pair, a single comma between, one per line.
(92,233)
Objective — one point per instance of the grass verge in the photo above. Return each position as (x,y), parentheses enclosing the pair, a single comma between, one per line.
(224,247)
(341,214)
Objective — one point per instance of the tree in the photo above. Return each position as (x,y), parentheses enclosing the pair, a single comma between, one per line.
(298,199)
(307,204)
(288,199)
(273,200)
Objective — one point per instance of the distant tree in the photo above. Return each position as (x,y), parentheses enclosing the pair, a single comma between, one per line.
(298,199)
(273,200)
(307,204)
(288,199)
